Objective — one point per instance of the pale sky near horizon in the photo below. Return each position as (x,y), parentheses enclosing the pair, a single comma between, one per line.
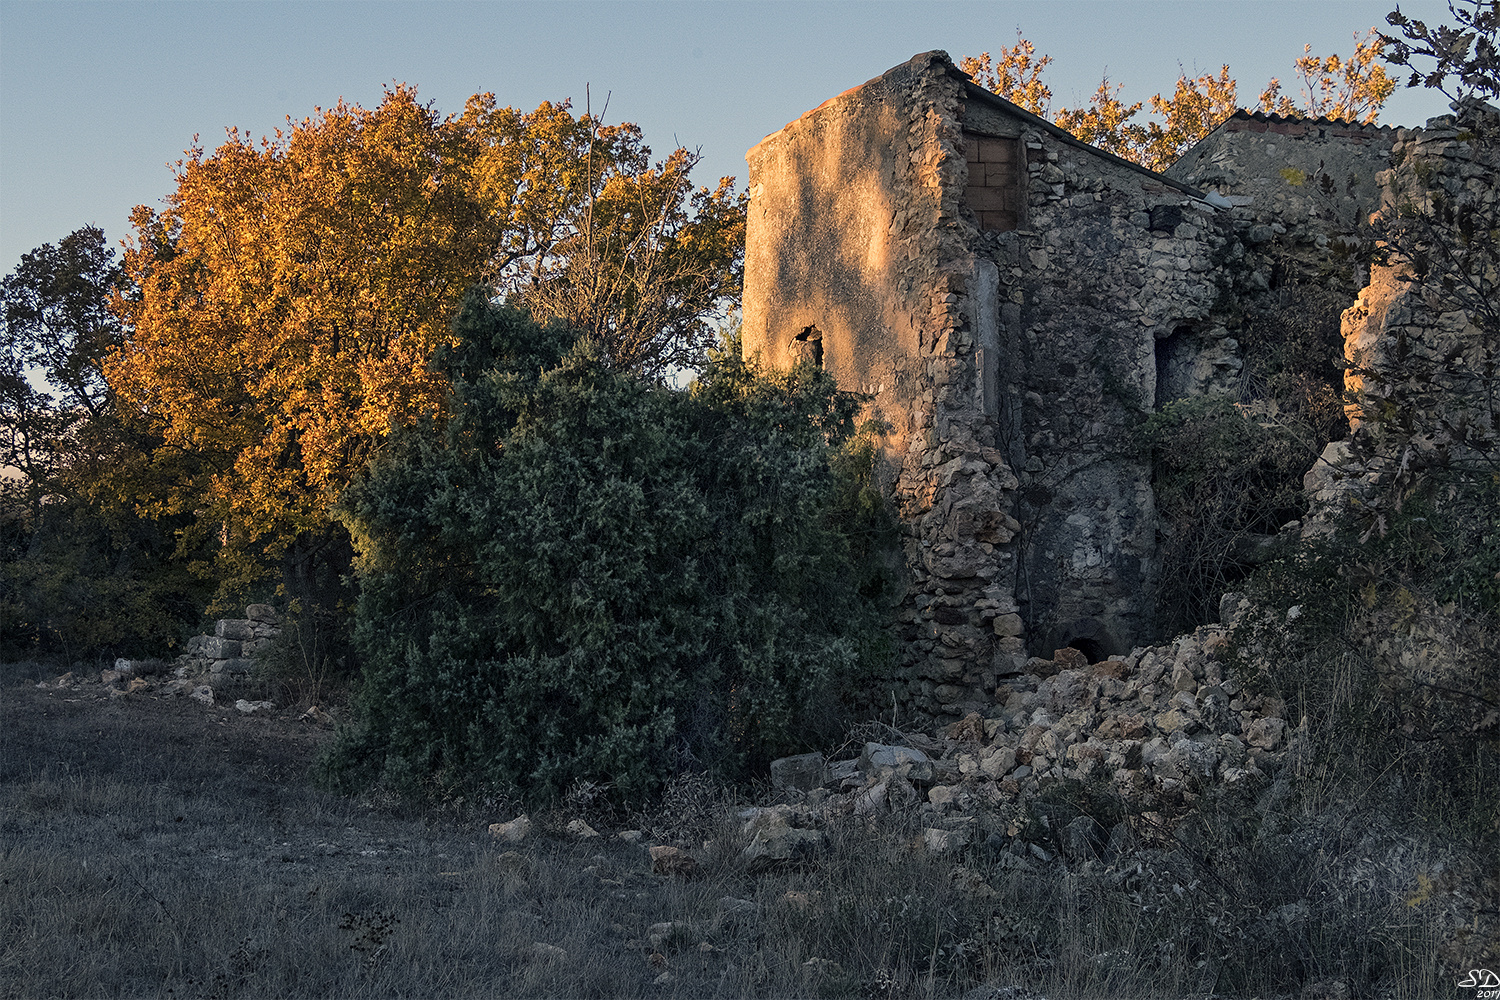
(96,99)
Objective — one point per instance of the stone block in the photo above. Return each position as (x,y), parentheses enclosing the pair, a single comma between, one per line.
(803,772)
(220,648)
(513,832)
(1009,625)
(233,665)
(262,613)
(235,628)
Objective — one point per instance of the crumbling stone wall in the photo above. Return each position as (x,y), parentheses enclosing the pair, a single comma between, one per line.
(1006,346)
(1107,293)
(1304,182)
(1014,302)
(854,232)
(1421,339)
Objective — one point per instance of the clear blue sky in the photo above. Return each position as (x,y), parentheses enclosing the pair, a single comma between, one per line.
(97,98)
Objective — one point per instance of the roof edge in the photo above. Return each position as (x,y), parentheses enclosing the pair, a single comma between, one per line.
(1057,131)
(912,64)
(1246,114)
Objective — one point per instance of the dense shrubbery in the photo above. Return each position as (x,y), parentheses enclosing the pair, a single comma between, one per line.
(584,576)
(1390,651)
(79,580)
(1225,482)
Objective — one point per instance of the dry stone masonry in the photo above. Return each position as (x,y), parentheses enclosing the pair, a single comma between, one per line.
(1426,347)
(232,647)
(1013,302)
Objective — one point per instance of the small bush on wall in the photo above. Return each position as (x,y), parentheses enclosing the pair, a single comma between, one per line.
(584,576)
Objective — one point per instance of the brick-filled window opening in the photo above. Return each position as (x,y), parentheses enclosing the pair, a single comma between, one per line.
(996,171)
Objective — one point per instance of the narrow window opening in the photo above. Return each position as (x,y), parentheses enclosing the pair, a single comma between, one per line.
(808,346)
(1174,365)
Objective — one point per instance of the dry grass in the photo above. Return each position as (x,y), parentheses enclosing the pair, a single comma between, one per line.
(154,848)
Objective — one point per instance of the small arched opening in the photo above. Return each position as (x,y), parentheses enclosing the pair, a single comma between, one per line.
(1090,637)
(1088,647)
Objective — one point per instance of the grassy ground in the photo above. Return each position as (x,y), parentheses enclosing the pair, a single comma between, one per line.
(156,847)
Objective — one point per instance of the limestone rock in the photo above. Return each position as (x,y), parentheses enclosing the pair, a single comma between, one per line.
(1265,733)
(803,772)
(943,841)
(673,861)
(234,629)
(580,830)
(512,832)
(881,755)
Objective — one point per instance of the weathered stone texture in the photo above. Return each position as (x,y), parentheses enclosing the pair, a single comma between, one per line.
(1416,340)
(1014,302)
(1308,181)
(1005,328)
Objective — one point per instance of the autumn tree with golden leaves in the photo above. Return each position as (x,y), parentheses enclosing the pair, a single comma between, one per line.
(292,292)
(1353,88)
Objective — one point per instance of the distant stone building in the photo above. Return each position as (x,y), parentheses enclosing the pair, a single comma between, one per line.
(1014,302)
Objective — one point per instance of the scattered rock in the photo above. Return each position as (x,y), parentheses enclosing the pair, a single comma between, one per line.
(512,832)
(737,907)
(580,830)
(673,862)
(881,755)
(202,693)
(942,841)
(1070,659)
(1265,733)
(252,707)
(781,843)
(629,836)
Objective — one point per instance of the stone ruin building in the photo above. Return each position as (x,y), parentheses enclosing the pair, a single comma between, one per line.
(1013,301)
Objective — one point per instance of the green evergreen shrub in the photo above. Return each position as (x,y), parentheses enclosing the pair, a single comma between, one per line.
(585,576)
(1225,482)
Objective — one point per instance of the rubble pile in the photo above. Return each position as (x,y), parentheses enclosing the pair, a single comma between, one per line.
(1155,728)
(206,659)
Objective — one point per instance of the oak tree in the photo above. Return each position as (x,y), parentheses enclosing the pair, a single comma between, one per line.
(596,235)
(291,292)
(1355,88)
(1352,89)
(1015,76)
